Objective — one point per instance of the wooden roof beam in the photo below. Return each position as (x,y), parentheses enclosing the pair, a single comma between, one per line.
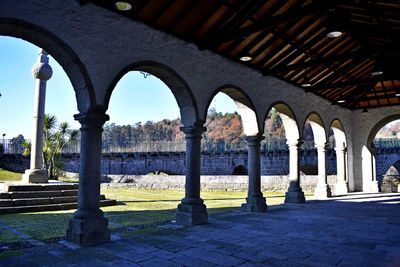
(316,62)
(268,23)
(349,83)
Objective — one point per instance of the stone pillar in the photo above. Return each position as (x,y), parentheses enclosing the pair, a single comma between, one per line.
(255,202)
(322,190)
(294,194)
(341,186)
(192,210)
(42,72)
(89,226)
(373,186)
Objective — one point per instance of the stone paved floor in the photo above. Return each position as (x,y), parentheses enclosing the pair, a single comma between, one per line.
(356,230)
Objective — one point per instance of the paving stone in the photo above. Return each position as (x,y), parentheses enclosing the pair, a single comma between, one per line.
(190,261)
(19,261)
(211,257)
(175,246)
(122,263)
(226,250)
(252,264)
(163,254)
(325,233)
(92,263)
(134,256)
(158,262)
(251,257)
(267,253)
(248,244)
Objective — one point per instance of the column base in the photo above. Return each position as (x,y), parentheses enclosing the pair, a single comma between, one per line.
(371,187)
(87,232)
(341,188)
(255,204)
(35,176)
(294,197)
(322,192)
(188,214)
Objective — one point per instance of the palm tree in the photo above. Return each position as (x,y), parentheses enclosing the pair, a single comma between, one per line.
(27,148)
(54,141)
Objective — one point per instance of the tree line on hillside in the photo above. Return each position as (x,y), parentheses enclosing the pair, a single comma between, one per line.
(224,132)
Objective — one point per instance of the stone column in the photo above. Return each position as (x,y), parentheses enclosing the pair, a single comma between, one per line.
(341,187)
(42,72)
(322,190)
(294,194)
(374,184)
(192,211)
(89,226)
(255,202)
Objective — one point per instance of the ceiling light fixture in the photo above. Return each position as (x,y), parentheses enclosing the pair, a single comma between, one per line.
(398,94)
(376,73)
(245,58)
(334,34)
(246,55)
(341,101)
(306,82)
(122,6)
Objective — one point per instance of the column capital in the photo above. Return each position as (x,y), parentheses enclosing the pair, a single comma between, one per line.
(193,131)
(254,140)
(92,119)
(340,148)
(322,146)
(297,143)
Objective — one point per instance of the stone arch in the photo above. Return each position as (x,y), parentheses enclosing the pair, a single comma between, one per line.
(339,132)
(246,108)
(65,56)
(368,159)
(318,128)
(288,119)
(179,88)
(392,161)
(390,175)
(294,192)
(341,186)
(240,170)
(379,125)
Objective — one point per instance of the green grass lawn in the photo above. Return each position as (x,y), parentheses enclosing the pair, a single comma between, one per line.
(6,176)
(137,210)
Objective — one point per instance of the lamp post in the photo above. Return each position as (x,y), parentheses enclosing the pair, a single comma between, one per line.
(4,144)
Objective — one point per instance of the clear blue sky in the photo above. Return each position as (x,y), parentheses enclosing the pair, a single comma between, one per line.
(134,99)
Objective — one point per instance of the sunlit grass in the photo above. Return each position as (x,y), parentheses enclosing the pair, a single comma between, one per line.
(137,209)
(6,176)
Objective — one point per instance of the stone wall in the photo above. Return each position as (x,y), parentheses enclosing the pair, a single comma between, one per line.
(210,183)
(173,163)
(13,162)
(385,158)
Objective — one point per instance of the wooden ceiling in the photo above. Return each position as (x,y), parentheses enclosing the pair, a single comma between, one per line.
(287,39)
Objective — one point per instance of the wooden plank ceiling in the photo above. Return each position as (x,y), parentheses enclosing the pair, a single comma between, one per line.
(288,39)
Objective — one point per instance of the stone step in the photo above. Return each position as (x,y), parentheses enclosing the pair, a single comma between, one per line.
(51,207)
(39,201)
(38,194)
(39,187)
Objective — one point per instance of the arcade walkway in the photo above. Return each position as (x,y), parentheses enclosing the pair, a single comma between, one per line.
(356,230)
